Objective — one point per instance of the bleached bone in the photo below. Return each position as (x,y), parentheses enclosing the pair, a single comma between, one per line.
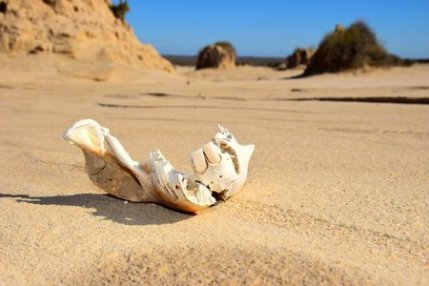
(220,169)
(108,164)
(176,189)
(222,164)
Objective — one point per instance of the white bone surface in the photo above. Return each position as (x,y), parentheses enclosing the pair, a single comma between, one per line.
(220,167)
(228,174)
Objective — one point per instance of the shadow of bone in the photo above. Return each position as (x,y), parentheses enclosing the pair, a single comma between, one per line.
(109,208)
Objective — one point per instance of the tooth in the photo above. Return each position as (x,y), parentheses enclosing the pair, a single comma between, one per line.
(212,153)
(199,161)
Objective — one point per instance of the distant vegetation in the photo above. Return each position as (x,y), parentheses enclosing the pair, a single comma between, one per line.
(120,10)
(351,48)
(344,49)
(252,61)
(219,55)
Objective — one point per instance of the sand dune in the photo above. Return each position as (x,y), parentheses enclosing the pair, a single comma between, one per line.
(81,33)
(337,191)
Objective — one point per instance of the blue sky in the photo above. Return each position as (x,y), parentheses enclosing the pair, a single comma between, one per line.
(275,27)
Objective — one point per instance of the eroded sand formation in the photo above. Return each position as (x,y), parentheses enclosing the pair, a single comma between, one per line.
(83,30)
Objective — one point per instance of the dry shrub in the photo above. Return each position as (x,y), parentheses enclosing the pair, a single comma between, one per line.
(351,48)
(120,10)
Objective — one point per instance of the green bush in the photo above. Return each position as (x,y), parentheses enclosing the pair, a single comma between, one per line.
(120,10)
(351,48)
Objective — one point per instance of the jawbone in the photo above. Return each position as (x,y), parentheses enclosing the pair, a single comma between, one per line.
(220,169)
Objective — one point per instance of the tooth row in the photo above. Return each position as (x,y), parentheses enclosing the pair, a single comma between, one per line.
(209,154)
(212,153)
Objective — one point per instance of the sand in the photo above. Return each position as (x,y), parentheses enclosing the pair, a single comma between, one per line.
(337,192)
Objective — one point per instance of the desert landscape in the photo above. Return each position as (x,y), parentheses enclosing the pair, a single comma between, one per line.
(337,190)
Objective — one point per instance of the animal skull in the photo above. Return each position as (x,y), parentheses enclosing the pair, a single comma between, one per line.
(220,168)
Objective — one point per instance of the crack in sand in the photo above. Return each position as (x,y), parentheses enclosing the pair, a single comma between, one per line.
(375,99)
(223,107)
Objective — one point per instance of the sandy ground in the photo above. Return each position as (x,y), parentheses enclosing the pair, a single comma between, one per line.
(337,193)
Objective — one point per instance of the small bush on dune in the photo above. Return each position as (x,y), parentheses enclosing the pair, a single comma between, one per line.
(219,55)
(351,48)
(120,10)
